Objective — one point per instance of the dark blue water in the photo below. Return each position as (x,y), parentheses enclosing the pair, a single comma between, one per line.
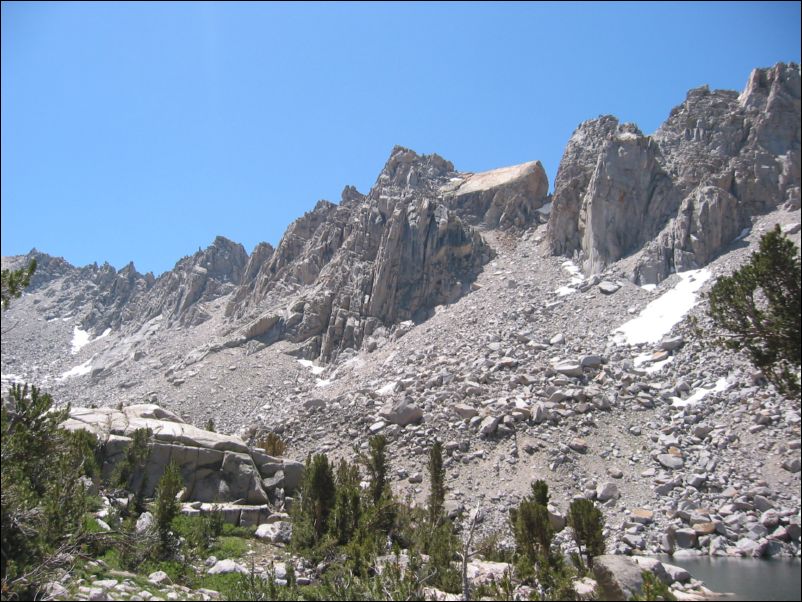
(747,578)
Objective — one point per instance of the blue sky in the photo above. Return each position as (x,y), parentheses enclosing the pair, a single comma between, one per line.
(141,131)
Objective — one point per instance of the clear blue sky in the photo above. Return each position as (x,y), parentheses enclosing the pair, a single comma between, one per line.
(141,131)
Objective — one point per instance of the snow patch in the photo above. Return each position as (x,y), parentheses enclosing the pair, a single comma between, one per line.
(657,366)
(311,365)
(701,393)
(649,287)
(80,370)
(387,389)
(660,316)
(106,333)
(80,338)
(545,209)
(10,379)
(576,278)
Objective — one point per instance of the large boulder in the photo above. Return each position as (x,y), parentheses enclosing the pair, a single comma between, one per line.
(619,577)
(401,412)
(214,467)
(508,197)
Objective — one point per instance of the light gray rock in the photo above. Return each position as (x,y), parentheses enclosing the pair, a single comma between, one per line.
(685,538)
(677,573)
(682,195)
(159,577)
(401,412)
(507,198)
(275,532)
(792,465)
(489,425)
(619,577)
(578,445)
(569,368)
(144,523)
(608,288)
(224,567)
(607,491)
(670,461)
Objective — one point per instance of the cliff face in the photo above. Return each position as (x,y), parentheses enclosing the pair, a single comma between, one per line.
(687,191)
(342,271)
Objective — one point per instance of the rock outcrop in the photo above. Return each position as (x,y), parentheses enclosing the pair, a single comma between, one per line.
(179,295)
(214,467)
(685,193)
(505,198)
(343,271)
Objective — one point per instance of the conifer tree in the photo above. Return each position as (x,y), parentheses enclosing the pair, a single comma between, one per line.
(760,307)
(377,466)
(166,505)
(318,495)
(587,522)
(347,505)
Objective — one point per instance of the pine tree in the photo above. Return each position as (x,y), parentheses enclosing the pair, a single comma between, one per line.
(531,526)
(760,307)
(587,523)
(44,497)
(347,505)
(540,492)
(166,505)
(377,466)
(318,495)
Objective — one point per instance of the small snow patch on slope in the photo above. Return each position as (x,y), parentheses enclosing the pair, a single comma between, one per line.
(80,338)
(80,370)
(660,316)
(309,364)
(576,278)
(701,393)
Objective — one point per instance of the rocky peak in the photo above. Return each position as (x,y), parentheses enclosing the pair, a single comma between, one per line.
(686,192)
(178,295)
(224,260)
(573,176)
(351,195)
(407,171)
(47,266)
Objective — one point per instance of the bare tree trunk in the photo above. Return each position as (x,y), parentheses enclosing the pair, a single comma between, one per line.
(466,587)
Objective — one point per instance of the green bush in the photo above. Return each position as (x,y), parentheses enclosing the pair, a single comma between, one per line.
(273,445)
(759,305)
(46,473)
